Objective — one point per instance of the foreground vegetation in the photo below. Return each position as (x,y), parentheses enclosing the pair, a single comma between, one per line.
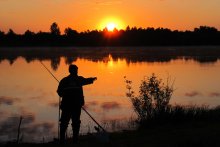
(193,126)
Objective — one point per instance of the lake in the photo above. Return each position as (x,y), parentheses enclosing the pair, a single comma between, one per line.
(28,90)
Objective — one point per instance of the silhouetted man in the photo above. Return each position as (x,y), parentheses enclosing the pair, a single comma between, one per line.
(71,91)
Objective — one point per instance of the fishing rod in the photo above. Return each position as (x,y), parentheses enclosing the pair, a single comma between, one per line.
(60,98)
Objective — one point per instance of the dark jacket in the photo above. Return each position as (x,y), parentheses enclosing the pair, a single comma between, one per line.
(71,91)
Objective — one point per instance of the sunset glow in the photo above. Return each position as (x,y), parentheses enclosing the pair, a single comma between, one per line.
(111,26)
(111,23)
(90,15)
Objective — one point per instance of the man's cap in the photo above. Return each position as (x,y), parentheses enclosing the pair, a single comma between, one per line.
(73,68)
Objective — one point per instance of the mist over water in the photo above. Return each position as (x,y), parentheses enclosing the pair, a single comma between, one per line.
(28,90)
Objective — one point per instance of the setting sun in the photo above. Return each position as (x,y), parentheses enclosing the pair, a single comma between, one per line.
(111,26)
(111,23)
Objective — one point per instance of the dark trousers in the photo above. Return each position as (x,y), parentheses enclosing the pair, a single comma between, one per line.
(67,114)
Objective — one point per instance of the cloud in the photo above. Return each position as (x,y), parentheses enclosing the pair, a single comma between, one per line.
(101,2)
(37,131)
(3,113)
(108,94)
(90,104)
(26,113)
(214,94)
(28,119)
(108,2)
(195,93)
(8,100)
(10,125)
(110,105)
(111,119)
(39,128)
(54,104)
(45,97)
(192,94)
(30,130)
(42,95)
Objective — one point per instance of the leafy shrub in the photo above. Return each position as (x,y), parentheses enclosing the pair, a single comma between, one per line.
(153,99)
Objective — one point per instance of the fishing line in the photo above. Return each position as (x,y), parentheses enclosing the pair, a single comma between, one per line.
(59,97)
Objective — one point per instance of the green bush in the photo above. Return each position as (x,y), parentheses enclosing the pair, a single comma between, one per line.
(153,99)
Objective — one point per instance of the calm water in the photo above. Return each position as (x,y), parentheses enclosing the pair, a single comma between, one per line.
(28,90)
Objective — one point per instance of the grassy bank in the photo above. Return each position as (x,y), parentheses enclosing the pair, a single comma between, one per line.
(202,134)
(181,127)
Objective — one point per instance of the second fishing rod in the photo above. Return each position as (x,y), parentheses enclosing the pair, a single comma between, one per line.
(82,107)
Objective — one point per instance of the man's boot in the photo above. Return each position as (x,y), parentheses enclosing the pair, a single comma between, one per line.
(76,133)
(62,134)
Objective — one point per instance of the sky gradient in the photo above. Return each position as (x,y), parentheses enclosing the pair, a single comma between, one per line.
(83,15)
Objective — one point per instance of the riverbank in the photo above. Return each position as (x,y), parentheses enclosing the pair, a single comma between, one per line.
(186,134)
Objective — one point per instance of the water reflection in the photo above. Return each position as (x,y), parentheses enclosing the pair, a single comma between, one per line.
(27,90)
(31,130)
(138,54)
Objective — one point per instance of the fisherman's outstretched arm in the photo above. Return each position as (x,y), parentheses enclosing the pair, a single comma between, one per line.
(86,81)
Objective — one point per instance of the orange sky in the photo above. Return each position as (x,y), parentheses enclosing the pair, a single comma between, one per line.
(82,15)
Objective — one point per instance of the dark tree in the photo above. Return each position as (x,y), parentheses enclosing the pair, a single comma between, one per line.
(70,32)
(2,33)
(54,29)
(11,33)
(128,28)
(29,33)
(131,36)
(206,29)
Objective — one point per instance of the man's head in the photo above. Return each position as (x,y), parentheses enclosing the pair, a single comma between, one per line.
(73,69)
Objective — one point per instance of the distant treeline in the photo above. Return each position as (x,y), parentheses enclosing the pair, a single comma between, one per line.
(204,35)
